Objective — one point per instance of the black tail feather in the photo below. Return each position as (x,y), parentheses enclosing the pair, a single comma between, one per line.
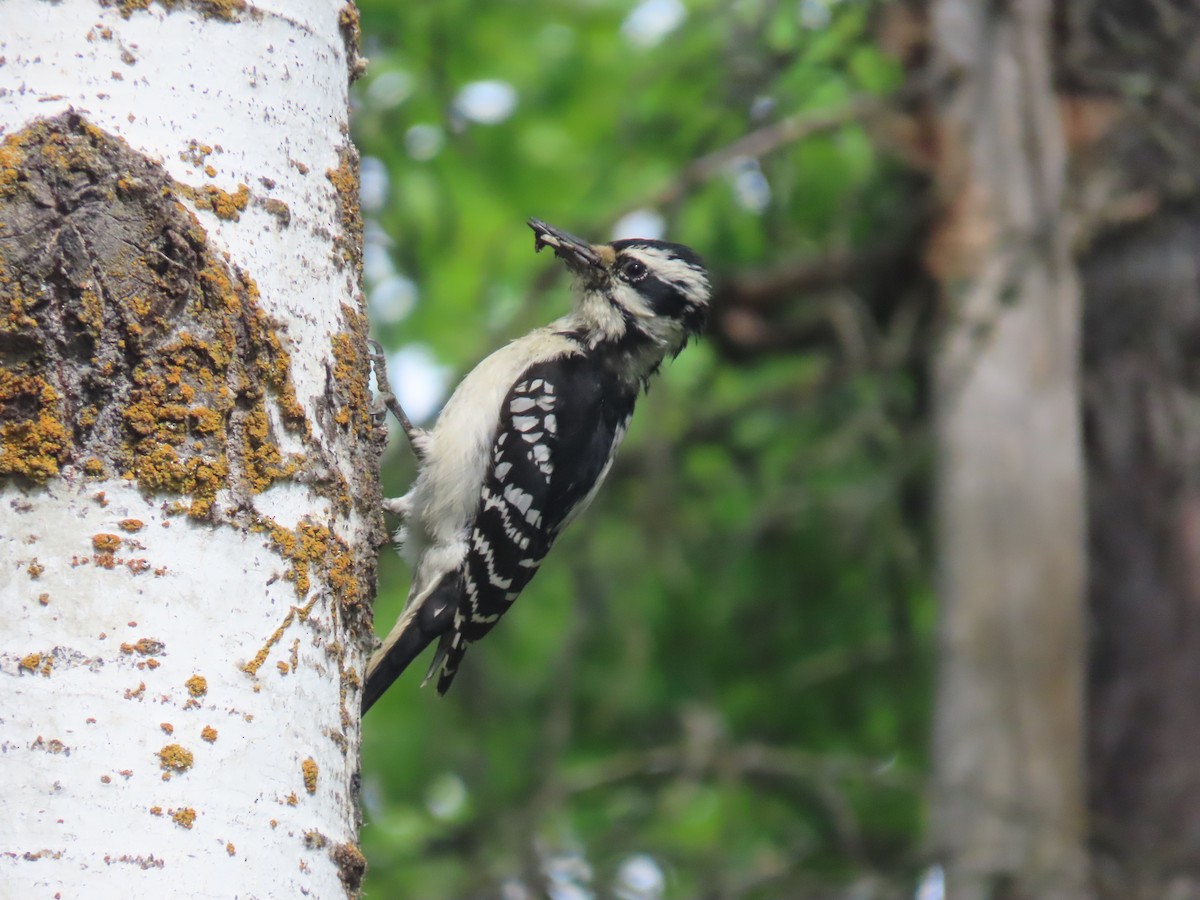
(393,663)
(432,620)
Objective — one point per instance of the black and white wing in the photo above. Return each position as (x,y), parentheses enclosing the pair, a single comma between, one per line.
(559,428)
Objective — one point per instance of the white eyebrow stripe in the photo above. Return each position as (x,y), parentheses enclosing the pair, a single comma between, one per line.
(673,269)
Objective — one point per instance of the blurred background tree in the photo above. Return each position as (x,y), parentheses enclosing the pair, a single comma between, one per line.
(731,678)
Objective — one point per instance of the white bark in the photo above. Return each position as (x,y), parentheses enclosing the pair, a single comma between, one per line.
(88,804)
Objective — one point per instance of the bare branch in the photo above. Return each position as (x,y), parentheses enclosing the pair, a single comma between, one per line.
(769,138)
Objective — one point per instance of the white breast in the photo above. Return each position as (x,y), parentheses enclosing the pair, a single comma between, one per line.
(446,494)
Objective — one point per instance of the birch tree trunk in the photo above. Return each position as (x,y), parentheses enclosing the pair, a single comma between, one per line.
(1008,811)
(188,487)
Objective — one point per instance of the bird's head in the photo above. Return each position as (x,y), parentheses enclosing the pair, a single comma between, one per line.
(651,296)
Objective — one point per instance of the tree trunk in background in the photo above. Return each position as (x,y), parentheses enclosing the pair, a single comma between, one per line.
(1142,406)
(188,482)
(1008,800)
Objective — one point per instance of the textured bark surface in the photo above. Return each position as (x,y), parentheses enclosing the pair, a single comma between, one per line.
(1008,803)
(188,469)
(1142,405)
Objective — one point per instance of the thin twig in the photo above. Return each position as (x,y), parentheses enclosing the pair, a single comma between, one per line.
(769,138)
(388,398)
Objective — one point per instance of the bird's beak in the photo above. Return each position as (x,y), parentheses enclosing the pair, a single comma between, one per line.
(580,256)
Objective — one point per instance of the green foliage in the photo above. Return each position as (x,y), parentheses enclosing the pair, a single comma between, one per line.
(725,666)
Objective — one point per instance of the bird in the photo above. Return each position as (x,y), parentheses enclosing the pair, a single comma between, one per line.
(526,440)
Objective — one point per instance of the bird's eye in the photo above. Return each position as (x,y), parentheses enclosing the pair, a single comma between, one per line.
(633,270)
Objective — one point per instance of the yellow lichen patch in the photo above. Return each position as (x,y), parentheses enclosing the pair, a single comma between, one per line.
(175,758)
(197,685)
(230,849)
(35,569)
(350,379)
(33,439)
(225,205)
(185,817)
(144,647)
(283,667)
(106,543)
(292,799)
(310,770)
(344,179)
(44,599)
(252,667)
(167,727)
(131,526)
(315,548)
(156,811)
(11,158)
(208,733)
(30,662)
(148,314)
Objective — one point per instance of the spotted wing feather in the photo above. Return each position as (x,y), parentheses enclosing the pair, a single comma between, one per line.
(558,429)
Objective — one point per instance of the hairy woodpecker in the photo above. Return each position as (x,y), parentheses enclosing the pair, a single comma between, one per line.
(525,441)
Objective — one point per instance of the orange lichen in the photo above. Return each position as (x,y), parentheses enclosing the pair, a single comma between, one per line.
(156,811)
(192,355)
(35,569)
(185,817)
(197,685)
(225,205)
(44,599)
(33,439)
(175,758)
(230,849)
(144,647)
(310,770)
(132,526)
(252,667)
(30,662)
(344,179)
(315,546)
(167,727)
(106,543)
(350,378)
(208,733)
